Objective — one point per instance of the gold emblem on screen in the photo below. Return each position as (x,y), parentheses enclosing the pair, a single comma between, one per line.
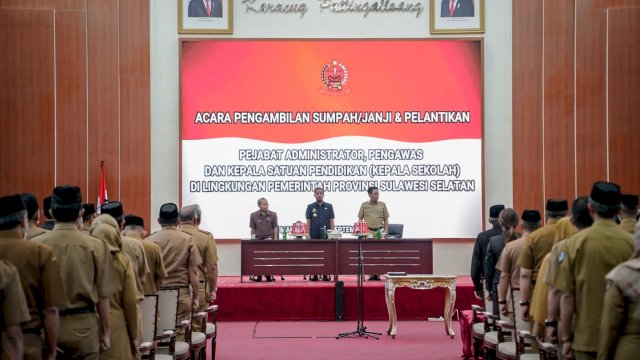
(334,78)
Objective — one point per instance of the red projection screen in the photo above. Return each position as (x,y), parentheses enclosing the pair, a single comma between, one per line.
(278,118)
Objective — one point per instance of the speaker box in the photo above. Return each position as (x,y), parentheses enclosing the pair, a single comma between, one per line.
(339,301)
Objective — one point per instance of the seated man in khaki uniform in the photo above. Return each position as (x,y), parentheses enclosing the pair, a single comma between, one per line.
(181,259)
(85,266)
(587,258)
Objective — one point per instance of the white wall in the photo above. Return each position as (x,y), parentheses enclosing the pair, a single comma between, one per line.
(451,257)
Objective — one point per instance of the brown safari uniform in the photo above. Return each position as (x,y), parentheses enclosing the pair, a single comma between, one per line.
(12,301)
(179,252)
(85,265)
(35,231)
(123,305)
(588,256)
(209,255)
(628,225)
(134,250)
(40,277)
(153,255)
(373,214)
(536,246)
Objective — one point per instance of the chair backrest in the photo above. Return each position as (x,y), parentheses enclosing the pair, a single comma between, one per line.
(149,307)
(395,230)
(167,309)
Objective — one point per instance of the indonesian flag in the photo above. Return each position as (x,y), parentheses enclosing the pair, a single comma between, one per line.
(103,198)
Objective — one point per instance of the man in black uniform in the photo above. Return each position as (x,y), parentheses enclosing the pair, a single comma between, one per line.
(480,249)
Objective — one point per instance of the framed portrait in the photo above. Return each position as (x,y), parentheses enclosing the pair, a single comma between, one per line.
(205,16)
(457,16)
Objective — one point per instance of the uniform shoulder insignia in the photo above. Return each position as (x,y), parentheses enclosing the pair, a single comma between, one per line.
(205,232)
(561,257)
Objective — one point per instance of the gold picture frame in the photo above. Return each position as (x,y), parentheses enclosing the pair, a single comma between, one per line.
(195,18)
(457,16)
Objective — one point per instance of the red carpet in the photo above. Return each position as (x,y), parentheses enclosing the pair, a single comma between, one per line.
(316,340)
(297,299)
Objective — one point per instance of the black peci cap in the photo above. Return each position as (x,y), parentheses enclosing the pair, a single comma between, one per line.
(494,211)
(606,193)
(531,216)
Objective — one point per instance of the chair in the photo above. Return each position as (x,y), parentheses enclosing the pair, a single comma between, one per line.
(478,328)
(148,345)
(167,318)
(211,331)
(395,231)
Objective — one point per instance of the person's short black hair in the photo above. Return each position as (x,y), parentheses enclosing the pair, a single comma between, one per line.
(65,214)
(371,188)
(31,204)
(259,200)
(580,213)
(604,211)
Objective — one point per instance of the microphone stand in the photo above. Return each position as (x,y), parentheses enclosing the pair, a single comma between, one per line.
(361,330)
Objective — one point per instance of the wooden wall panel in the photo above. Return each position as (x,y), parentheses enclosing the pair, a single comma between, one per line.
(104,95)
(591,143)
(45,4)
(559,150)
(527,109)
(27,101)
(135,132)
(623,85)
(597,143)
(71,99)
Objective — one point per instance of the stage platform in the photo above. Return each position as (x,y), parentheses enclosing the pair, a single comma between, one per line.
(298,299)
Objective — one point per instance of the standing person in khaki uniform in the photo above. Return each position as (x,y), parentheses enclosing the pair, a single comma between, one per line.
(538,310)
(15,311)
(208,270)
(181,259)
(40,279)
(376,215)
(264,225)
(537,245)
(88,216)
(588,257)
(134,228)
(374,212)
(134,250)
(85,265)
(629,212)
(508,265)
(131,247)
(581,219)
(33,214)
(620,326)
(123,305)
